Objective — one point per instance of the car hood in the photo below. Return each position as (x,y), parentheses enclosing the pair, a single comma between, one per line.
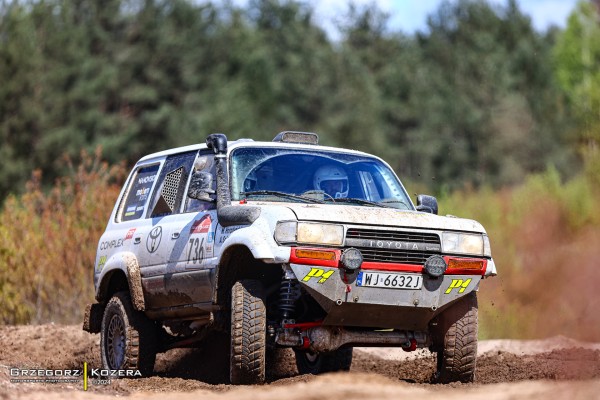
(374,216)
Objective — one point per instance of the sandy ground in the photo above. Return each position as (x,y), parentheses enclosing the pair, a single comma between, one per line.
(557,368)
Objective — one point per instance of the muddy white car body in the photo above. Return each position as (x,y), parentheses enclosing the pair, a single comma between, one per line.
(234,237)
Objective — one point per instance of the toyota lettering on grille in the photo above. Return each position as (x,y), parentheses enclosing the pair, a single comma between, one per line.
(393,245)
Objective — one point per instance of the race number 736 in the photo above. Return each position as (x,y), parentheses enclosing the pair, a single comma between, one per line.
(196,252)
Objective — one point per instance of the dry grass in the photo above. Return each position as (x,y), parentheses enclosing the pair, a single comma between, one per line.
(545,240)
(48,243)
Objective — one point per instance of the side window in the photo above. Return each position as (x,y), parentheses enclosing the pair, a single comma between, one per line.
(139,192)
(204,163)
(170,188)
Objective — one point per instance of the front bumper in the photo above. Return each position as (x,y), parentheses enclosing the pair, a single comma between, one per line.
(347,304)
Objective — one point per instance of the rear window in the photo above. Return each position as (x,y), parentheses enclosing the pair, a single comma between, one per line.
(139,192)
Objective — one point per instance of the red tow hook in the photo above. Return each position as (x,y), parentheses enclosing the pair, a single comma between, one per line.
(412,347)
(305,342)
(302,327)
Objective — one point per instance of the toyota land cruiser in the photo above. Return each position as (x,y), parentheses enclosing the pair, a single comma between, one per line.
(283,244)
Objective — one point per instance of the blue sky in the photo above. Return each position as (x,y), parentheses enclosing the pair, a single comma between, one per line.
(409,16)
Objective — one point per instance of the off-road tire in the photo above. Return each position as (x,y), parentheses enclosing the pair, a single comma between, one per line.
(248,333)
(337,360)
(128,339)
(456,360)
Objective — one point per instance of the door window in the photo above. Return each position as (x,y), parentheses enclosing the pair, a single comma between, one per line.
(170,188)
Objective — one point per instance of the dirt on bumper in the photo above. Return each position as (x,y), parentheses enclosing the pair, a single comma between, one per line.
(349,304)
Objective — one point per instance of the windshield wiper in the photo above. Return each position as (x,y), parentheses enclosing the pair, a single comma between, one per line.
(280,194)
(392,201)
(358,201)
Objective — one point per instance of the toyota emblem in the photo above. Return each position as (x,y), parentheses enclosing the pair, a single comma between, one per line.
(153,240)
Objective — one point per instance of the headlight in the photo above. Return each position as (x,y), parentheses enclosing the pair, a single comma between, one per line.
(462,243)
(309,233)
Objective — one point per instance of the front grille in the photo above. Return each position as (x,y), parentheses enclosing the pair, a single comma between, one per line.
(394,246)
(354,233)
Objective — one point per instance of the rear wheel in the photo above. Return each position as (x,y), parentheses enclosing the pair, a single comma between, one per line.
(457,358)
(333,361)
(248,333)
(128,339)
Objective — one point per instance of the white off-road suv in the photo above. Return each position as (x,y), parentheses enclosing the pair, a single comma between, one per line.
(283,244)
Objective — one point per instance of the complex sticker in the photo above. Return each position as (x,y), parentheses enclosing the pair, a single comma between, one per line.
(318,273)
(458,284)
(111,244)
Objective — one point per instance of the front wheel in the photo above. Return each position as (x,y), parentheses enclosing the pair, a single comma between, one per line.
(248,333)
(333,361)
(458,332)
(128,339)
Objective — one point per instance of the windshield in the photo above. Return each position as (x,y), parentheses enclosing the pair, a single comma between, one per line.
(278,174)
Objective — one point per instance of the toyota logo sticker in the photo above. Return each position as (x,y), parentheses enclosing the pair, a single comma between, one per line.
(153,240)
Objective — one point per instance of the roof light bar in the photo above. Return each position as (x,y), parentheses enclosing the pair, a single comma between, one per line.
(297,137)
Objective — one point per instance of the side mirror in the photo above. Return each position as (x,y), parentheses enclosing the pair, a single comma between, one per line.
(427,204)
(201,182)
(200,186)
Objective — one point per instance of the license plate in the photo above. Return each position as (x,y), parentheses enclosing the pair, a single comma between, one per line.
(389,280)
